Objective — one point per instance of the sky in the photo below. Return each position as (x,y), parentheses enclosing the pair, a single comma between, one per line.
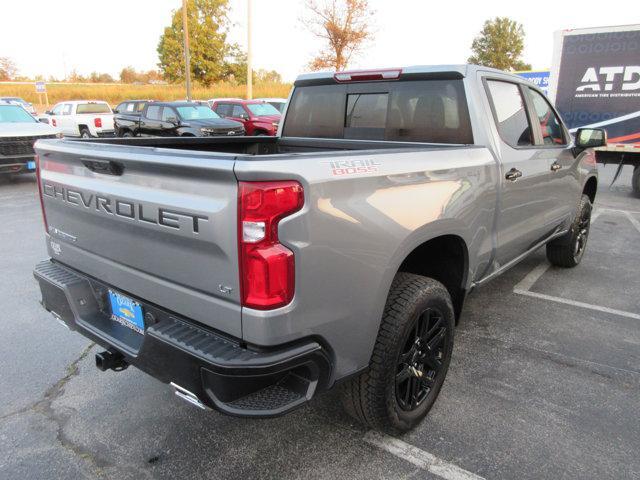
(52,37)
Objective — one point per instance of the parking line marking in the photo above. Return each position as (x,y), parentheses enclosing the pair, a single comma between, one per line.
(523,287)
(575,303)
(532,277)
(418,457)
(632,219)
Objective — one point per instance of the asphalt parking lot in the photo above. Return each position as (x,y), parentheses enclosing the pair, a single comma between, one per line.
(544,383)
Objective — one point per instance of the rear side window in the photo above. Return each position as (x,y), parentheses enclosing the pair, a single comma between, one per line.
(510,113)
(550,126)
(92,108)
(433,111)
(153,112)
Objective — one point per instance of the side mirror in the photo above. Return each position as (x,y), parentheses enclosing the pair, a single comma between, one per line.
(591,138)
(244,116)
(48,112)
(173,120)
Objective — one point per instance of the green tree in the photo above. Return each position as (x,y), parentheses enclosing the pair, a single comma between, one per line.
(211,53)
(499,45)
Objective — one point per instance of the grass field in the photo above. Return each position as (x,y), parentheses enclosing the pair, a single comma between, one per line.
(115,93)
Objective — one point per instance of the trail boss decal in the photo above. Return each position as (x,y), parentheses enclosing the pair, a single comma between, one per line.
(352,167)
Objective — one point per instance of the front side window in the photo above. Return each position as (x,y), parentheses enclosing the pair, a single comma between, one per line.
(66,110)
(168,113)
(57,110)
(510,113)
(153,112)
(550,126)
(238,111)
(196,112)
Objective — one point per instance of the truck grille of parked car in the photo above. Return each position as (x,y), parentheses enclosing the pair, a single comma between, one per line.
(223,131)
(10,146)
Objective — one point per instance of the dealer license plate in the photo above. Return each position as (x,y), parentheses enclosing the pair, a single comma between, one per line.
(126,311)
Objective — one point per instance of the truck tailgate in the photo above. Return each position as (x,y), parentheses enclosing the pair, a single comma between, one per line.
(156,224)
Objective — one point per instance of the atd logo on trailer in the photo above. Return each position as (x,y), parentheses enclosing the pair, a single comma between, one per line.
(604,79)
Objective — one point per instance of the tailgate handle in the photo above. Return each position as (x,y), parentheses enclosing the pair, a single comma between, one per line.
(108,167)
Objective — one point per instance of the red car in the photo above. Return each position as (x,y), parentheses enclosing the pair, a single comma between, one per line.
(258,117)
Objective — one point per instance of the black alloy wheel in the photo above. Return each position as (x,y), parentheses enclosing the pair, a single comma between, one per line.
(421,359)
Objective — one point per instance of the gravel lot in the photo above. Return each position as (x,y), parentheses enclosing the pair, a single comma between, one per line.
(544,383)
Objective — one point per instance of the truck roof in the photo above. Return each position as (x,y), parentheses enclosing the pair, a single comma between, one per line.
(463,70)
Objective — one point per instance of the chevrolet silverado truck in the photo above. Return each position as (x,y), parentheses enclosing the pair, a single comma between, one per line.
(81,118)
(252,274)
(176,119)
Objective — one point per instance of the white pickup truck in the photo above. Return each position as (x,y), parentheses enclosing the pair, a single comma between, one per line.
(82,118)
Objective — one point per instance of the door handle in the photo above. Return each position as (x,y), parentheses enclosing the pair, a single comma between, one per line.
(555,166)
(513,174)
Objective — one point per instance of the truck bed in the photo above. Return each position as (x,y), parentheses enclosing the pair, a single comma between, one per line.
(262,145)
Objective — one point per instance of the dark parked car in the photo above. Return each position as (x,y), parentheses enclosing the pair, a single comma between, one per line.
(125,113)
(176,119)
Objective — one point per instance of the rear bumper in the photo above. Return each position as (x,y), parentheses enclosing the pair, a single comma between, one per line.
(106,133)
(220,371)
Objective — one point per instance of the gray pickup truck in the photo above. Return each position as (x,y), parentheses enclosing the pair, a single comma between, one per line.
(252,274)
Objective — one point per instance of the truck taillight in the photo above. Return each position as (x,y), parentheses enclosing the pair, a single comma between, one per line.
(267,268)
(39,180)
(97,122)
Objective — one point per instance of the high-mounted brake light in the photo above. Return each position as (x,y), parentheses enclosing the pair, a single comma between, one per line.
(39,180)
(368,75)
(267,268)
(97,122)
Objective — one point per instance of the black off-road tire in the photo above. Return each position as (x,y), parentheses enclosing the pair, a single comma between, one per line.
(635,181)
(85,133)
(372,396)
(568,250)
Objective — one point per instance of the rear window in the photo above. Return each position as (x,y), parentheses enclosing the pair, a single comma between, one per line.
(93,108)
(433,111)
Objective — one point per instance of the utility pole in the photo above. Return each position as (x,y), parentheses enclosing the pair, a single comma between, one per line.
(249,53)
(187,57)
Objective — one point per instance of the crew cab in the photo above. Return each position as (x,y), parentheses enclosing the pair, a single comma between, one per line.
(127,114)
(251,274)
(81,118)
(258,117)
(176,119)
(19,130)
